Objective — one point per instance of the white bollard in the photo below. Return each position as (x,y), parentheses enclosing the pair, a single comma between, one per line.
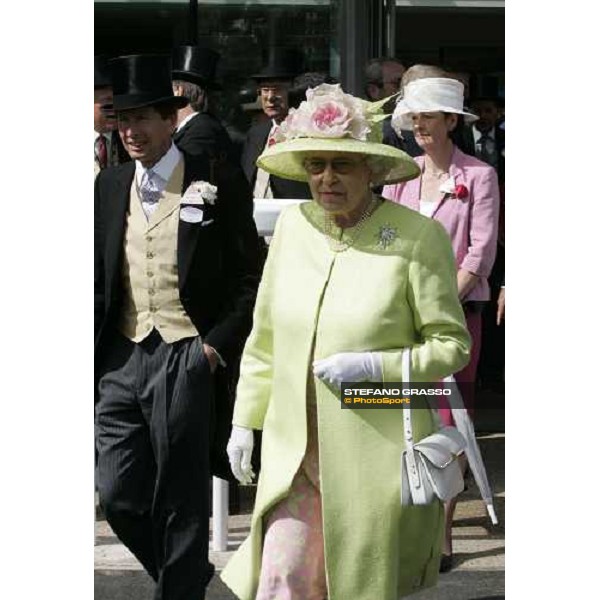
(220,514)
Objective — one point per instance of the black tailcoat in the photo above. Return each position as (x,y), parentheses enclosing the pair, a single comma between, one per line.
(204,133)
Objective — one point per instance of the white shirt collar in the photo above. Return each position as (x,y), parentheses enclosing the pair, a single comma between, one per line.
(163,168)
(477,134)
(107,136)
(186,121)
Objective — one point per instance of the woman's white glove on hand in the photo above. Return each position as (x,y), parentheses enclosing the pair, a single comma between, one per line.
(349,366)
(239,451)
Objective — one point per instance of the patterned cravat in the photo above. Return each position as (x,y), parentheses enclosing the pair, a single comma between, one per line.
(101,151)
(149,192)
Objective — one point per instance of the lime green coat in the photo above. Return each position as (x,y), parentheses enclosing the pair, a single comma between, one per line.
(371,297)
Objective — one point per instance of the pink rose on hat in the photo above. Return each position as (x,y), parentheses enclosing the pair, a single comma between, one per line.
(326,113)
(331,118)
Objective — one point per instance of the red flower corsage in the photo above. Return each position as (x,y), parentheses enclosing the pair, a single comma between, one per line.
(461,191)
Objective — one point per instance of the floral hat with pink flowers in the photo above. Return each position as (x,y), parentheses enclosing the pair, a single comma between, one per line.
(332,121)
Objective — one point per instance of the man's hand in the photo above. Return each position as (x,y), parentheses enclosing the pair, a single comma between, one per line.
(500,313)
(466,281)
(211,355)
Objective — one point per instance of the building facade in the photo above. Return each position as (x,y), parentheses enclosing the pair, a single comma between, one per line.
(334,36)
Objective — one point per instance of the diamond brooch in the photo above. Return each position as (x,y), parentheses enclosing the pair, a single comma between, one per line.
(387,234)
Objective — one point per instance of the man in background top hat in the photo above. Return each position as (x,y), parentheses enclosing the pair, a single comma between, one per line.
(175,278)
(488,136)
(108,150)
(488,142)
(198,130)
(273,83)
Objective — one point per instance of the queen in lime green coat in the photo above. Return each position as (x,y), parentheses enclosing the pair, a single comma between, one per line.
(377,284)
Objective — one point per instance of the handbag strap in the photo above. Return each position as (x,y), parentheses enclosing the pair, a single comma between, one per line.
(406,414)
(414,477)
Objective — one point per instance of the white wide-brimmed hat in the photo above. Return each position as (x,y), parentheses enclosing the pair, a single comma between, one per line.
(430,94)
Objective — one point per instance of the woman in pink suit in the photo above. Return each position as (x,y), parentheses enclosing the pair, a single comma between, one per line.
(461,192)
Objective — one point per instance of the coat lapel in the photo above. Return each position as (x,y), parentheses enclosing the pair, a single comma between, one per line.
(179,134)
(413,188)
(455,171)
(115,227)
(260,140)
(437,206)
(187,236)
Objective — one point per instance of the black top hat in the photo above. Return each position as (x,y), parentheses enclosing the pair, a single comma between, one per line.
(484,87)
(101,72)
(301,84)
(196,65)
(143,80)
(283,63)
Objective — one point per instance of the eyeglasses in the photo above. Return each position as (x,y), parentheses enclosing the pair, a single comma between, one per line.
(341,166)
(278,89)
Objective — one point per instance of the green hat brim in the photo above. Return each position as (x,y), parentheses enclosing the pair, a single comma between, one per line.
(285,159)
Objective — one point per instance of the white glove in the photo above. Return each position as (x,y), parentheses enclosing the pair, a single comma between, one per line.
(349,366)
(239,451)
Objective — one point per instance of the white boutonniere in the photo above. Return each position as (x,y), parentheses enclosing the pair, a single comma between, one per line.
(448,186)
(455,190)
(200,192)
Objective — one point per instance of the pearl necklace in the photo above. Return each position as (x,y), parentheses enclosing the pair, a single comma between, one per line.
(339,245)
(434,174)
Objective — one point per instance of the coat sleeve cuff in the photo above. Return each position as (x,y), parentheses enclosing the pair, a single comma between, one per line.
(475,266)
(219,358)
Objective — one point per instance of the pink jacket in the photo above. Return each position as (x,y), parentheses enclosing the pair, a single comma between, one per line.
(471,223)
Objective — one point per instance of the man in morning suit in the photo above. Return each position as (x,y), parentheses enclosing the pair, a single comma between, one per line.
(487,135)
(488,139)
(198,130)
(175,278)
(273,83)
(108,149)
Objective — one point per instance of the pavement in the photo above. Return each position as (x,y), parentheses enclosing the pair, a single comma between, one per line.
(478,545)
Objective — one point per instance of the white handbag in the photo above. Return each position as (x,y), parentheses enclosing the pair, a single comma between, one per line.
(430,467)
